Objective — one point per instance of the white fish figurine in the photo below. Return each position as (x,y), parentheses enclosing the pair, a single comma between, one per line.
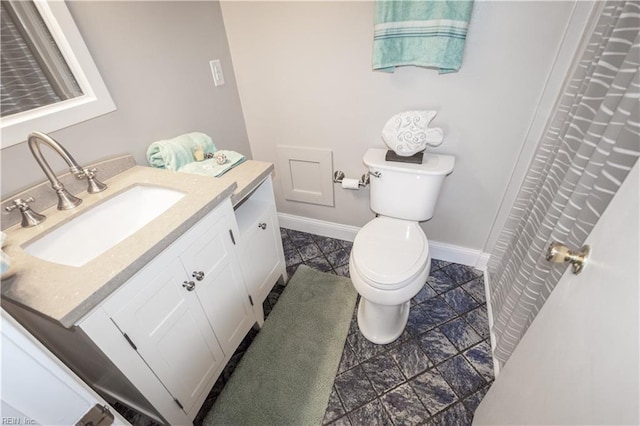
(408,132)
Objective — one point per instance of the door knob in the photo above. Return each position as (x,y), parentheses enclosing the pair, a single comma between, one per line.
(198,275)
(558,253)
(189,285)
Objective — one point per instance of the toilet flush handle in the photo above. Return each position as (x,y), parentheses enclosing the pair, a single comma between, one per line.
(375,173)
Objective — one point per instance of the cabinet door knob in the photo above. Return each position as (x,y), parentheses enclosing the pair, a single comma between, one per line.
(262,225)
(189,285)
(198,275)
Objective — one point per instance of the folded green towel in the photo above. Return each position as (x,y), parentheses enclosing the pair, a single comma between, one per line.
(211,167)
(426,33)
(174,153)
(5,261)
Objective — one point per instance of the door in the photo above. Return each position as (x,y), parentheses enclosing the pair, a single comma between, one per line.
(166,325)
(37,388)
(578,362)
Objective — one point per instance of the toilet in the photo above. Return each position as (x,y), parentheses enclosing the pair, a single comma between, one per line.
(390,261)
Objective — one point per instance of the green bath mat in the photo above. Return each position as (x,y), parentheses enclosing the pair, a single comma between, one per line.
(286,375)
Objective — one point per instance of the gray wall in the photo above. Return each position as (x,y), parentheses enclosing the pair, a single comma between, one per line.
(305,79)
(154,58)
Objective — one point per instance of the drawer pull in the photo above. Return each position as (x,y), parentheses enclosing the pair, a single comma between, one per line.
(198,275)
(189,285)
(262,225)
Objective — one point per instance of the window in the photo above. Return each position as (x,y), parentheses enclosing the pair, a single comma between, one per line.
(49,80)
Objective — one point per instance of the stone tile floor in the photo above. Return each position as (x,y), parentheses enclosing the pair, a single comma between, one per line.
(436,373)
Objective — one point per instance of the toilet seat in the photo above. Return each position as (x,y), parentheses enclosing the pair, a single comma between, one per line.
(389,252)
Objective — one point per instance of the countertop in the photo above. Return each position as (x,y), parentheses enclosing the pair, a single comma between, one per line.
(65,294)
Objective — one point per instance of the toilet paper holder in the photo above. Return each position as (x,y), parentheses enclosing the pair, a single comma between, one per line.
(338,175)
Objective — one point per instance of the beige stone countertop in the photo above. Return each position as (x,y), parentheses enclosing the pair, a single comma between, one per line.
(65,294)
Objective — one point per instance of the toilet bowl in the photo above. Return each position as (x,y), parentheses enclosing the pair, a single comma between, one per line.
(390,261)
(388,265)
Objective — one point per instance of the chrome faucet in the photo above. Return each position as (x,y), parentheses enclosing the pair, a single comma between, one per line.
(66,201)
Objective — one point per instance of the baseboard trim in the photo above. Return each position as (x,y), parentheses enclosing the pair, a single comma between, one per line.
(318,227)
(438,250)
(483,261)
(458,254)
(492,336)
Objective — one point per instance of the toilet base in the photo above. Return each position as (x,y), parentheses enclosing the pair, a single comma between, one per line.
(382,324)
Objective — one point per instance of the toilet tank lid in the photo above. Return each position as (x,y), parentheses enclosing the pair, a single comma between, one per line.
(432,164)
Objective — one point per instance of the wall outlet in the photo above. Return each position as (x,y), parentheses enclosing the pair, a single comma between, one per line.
(216,71)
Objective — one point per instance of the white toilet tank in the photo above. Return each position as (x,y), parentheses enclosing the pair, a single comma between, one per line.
(405,190)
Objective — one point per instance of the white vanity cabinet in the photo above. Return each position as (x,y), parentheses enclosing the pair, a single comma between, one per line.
(158,341)
(261,253)
(183,315)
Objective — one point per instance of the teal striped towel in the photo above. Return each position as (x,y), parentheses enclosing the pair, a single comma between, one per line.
(211,168)
(425,33)
(174,153)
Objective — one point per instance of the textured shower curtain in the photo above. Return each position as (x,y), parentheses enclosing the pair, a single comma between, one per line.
(590,144)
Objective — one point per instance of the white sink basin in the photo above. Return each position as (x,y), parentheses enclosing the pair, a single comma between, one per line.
(98,229)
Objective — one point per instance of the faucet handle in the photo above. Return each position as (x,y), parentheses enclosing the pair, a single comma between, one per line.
(29,217)
(94,184)
(20,203)
(81,173)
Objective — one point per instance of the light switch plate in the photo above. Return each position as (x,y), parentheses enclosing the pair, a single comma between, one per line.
(216,71)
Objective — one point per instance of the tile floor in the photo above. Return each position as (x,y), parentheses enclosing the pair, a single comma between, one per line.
(437,372)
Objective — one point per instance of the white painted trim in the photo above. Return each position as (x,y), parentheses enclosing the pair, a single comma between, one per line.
(95,100)
(318,227)
(483,261)
(458,254)
(438,250)
(492,336)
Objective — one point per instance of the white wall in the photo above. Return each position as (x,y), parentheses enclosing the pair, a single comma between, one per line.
(304,77)
(154,58)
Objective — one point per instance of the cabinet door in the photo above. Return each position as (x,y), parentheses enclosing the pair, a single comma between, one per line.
(221,289)
(262,255)
(167,325)
(261,246)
